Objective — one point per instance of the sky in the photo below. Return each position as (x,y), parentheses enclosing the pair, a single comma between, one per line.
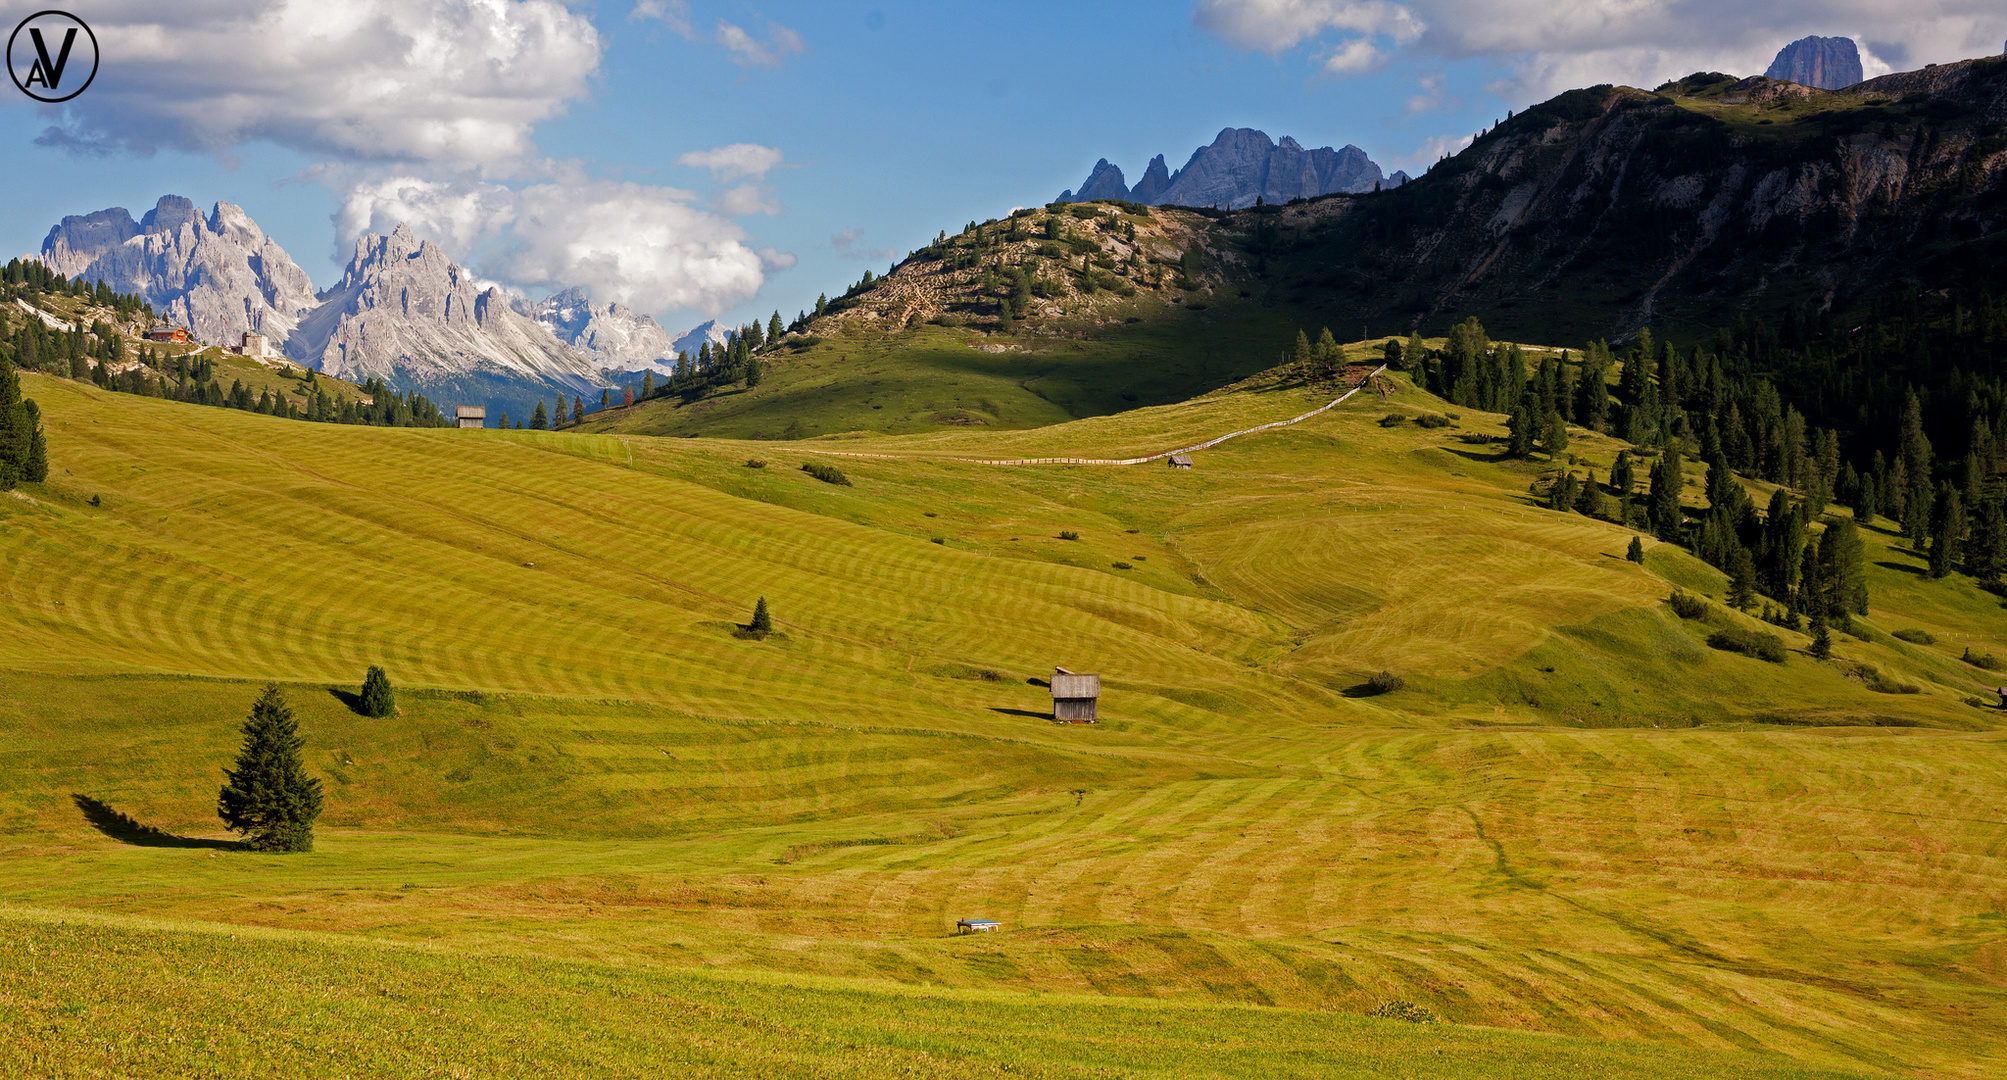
(697,159)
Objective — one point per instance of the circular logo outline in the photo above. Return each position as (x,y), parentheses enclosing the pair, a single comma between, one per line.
(95,57)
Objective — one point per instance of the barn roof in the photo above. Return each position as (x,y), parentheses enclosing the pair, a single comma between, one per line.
(472,412)
(1067,684)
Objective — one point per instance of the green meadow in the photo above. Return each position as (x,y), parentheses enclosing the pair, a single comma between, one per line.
(608,835)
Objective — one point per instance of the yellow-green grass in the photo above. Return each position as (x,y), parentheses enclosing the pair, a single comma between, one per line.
(591,765)
(930,378)
(115,997)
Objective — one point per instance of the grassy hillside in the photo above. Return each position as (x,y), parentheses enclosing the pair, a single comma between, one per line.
(1577,821)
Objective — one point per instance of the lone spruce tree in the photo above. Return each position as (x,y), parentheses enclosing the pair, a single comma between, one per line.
(269,797)
(763,622)
(378,699)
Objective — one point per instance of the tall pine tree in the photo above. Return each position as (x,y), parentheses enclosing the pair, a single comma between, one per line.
(269,797)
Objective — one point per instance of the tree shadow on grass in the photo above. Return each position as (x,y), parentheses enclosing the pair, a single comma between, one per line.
(1900,567)
(122,828)
(349,698)
(1023,712)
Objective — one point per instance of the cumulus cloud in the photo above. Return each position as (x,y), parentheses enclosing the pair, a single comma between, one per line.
(749,52)
(455,82)
(1546,47)
(645,246)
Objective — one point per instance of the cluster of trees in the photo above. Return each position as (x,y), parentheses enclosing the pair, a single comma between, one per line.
(102,356)
(24,276)
(24,454)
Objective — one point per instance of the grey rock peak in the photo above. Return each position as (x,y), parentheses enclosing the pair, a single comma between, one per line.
(1829,63)
(1105,182)
(1156,178)
(407,314)
(615,337)
(1238,167)
(219,276)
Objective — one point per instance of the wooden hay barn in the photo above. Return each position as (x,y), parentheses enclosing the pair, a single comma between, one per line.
(472,416)
(1181,461)
(976,926)
(1074,696)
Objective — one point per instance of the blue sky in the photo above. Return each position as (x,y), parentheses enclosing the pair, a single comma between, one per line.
(696,158)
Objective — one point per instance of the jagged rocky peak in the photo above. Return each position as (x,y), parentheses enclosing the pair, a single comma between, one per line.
(218,276)
(1829,63)
(1238,167)
(613,336)
(406,313)
(1156,178)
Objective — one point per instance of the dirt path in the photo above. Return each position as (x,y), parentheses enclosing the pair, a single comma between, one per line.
(1208,444)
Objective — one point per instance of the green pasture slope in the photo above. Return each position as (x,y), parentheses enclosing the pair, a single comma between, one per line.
(606,834)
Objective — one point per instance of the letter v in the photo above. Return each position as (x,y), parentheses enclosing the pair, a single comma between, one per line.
(54,71)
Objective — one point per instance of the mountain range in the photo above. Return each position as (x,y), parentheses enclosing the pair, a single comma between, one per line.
(1238,167)
(402,312)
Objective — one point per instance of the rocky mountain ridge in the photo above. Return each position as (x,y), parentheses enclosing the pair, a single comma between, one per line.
(218,275)
(1240,166)
(405,313)
(1827,63)
(1686,207)
(613,337)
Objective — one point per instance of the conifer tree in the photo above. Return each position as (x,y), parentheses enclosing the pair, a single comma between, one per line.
(1519,443)
(1621,479)
(539,420)
(774,328)
(23,454)
(606,395)
(1822,638)
(647,385)
(1841,569)
(1865,500)
(1301,353)
(1742,580)
(1663,508)
(378,699)
(1947,530)
(1636,552)
(577,409)
(753,372)
(763,620)
(1986,548)
(1554,435)
(269,797)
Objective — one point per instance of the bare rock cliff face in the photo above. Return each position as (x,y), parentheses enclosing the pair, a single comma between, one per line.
(1828,63)
(1238,167)
(614,337)
(406,314)
(219,276)
(1609,207)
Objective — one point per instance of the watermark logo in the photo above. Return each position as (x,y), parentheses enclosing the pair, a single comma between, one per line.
(52,56)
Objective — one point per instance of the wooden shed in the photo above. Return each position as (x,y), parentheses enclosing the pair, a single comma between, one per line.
(472,416)
(1074,696)
(1181,461)
(976,926)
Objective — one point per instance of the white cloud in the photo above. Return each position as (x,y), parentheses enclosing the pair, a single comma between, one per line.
(1354,57)
(846,246)
(644,246)
(736,161)
(748,51)
(1274,25)
(750,199)
(1431,96)
(674,14)
(455,82)
(1546,47)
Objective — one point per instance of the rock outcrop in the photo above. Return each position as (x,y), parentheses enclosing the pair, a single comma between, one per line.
(1829,63)
(405,313)
(1238,167)
(614,337)
(711,331)
(218,276)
